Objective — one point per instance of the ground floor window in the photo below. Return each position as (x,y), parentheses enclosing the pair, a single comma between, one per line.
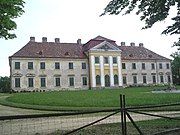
(124,80)
(31,82)
(43,82)
(144,79)
(71,81)
(135,79)
(161,79)
(84,80)
(116,79)
(17,82)
(154,79)
(57,79)
(98,80)
(169,78)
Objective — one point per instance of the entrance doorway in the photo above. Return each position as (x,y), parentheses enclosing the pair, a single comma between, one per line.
(107,81)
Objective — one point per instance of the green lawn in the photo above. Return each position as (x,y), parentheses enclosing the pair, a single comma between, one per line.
(83,99)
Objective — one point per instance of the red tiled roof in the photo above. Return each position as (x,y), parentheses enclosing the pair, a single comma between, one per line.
(50,50)
(74,50)
(139,53)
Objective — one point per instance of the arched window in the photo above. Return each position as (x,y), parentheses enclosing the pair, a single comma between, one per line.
(116,79)
(98,80)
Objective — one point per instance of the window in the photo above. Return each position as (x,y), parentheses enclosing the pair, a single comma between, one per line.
(167,65)
(96,60)
(57,79)
(71,81)
(98,80)
(42,65)
(116,79)
(114,60)
(144,79)
(135,79)
(83,65)
(169,79)
(17,82)
(17,65)
(84,80)
(30,82)
(123,65)
(152,66)
(57,65)
(133,65)
(160,65)
(154,78)
(30,65)
(106,60)
(43,82)
(161,79)
(70,65)
(143,66)
(124,80)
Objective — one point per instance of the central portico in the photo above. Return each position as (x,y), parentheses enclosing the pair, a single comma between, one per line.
(105,65)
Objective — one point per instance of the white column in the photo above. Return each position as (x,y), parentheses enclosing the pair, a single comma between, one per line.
(111,71)
(119,70)
(102,71)
(93,78)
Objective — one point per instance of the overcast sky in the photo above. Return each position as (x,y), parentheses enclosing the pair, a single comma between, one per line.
(73,19)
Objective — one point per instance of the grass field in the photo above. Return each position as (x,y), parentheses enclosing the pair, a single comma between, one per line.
(94,99)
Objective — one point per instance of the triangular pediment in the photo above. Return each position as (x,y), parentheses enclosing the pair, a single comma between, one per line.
(106,46)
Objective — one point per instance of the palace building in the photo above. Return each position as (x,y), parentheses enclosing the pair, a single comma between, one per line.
(99,63)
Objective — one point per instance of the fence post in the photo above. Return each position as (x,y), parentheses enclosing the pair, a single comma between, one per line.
(122,115)
(124,109)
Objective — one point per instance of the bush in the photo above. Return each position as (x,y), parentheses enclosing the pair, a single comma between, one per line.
(5,84)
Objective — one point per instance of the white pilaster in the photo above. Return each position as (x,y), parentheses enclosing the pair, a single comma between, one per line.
(111,71)
(102,71)
(119,70)
(93,78)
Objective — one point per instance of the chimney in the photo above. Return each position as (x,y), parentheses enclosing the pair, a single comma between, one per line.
(141,45)
(123,43)
(32,39)
(79,41)
(57,40)
(44,39)
(132,44)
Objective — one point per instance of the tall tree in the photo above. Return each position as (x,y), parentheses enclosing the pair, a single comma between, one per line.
(5,85)
(9,10)
(150,11)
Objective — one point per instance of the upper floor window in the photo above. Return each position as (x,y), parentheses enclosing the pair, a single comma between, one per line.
(96,60)
(43,82)
(106,60)
(57,65)
(133,65)
(152,66)
(167,65)
(17,82)
(123,65)
(31,82)
(42,65)
(70,65)
(83,65)
(17,65)
(160,65)
(114,60)
(30,65)
(143,66)
(84,80)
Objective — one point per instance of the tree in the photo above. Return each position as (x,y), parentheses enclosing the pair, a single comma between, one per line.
(150,11)
(5,84)
(9,10)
